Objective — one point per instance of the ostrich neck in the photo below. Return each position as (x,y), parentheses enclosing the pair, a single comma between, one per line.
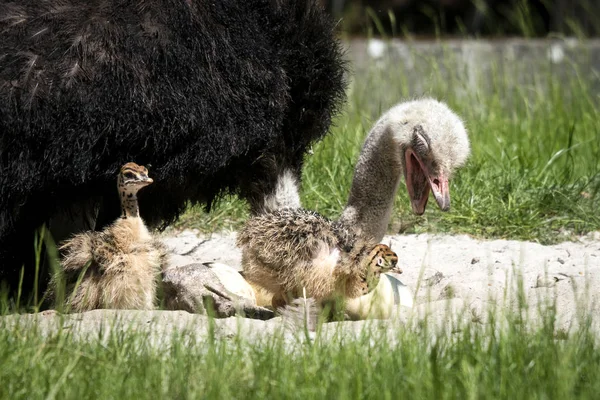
(129,205)
(131,225)
(376,179)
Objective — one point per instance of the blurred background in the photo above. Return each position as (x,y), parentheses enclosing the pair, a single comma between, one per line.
(490,18)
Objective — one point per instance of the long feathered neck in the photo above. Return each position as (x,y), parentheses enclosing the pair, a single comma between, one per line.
(129,206)
(375,183)
(129,202)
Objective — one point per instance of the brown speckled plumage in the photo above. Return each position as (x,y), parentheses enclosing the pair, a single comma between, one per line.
(289,250)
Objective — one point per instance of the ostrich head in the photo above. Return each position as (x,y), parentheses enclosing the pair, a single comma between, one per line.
(380,259)
(132,178)
(433,143)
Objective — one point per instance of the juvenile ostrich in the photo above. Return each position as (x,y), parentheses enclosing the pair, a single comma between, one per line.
(422,140)
(121,262)
(218,96)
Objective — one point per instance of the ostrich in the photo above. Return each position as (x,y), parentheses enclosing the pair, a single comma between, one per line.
(423,140)
(121,262)
(219,97)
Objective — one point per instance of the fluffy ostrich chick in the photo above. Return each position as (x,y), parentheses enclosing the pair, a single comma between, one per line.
(117,267)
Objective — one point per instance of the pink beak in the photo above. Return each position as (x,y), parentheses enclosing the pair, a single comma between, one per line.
(440,187)
(419,182)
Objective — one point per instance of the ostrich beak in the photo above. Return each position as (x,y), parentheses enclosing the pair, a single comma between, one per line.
(416,178)
(145,181)
(441,191)
(419,182)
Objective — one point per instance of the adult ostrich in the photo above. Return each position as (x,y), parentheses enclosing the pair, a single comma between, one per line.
(217,96)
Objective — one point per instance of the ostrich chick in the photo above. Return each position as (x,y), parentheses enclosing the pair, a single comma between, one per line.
(120,264)
(291,250)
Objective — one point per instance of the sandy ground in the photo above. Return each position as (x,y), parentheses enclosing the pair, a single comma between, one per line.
(449,277)
(466,274)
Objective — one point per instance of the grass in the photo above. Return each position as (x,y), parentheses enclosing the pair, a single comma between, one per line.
(463,361)
(534,173)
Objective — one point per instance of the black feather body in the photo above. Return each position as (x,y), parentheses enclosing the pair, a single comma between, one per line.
(218,96)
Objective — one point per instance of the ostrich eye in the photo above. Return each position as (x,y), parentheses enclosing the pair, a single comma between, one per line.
(129,175)
(379,262)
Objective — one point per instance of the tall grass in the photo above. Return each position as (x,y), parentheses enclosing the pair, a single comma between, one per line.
(456,361)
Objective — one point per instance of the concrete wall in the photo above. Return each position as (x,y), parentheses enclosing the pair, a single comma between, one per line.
(469,67)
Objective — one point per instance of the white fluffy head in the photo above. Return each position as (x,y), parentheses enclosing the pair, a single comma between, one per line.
(444,132)
(434,144)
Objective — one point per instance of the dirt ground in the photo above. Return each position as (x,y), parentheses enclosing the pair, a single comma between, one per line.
(466,274)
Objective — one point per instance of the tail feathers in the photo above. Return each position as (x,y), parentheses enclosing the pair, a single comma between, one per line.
(285,195)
